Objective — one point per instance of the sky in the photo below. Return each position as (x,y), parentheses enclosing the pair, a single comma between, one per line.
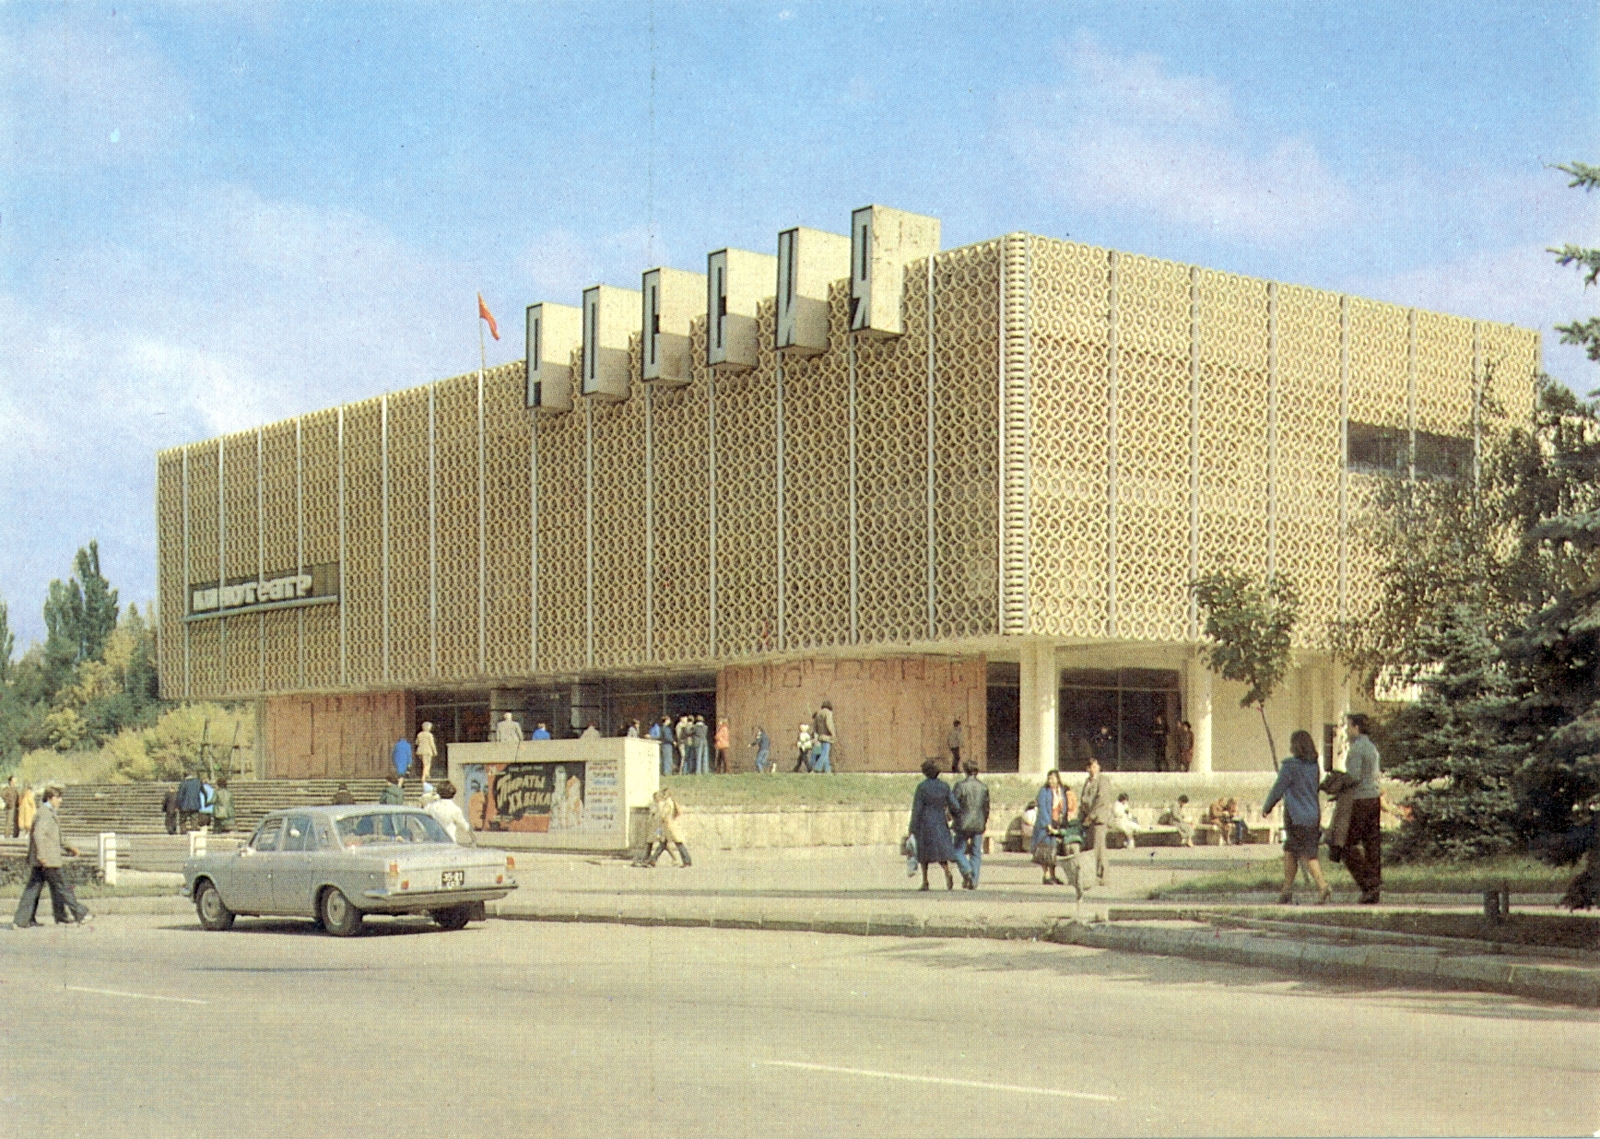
(214,216)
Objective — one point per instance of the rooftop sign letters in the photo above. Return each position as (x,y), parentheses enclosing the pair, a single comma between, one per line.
(310,585)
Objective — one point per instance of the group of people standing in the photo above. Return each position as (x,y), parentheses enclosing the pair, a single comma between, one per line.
(196,803)
(687,746)
(1066,822)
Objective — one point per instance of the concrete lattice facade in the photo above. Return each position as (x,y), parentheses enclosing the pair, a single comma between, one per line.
(1031,470)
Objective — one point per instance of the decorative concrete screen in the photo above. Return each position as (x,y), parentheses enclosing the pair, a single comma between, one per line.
(554,794)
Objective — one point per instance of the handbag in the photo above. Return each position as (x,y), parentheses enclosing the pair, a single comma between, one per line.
(908,847)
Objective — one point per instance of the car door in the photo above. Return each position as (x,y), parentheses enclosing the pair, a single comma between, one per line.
(251,891)
(292,871)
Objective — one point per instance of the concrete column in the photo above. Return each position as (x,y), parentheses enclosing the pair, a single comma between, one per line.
(1039,729)
(1197,710)
(260,749)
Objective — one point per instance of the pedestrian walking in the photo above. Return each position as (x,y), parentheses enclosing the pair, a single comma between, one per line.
(1296,786)
(664,811)
(342,796)
(26,810)
(802,745)
(427,747)
(822,732)
(722,742)
(447,812)
(971,814)
(931,807)
(208,805)
(393,793)
(541,731)
(763,745)
(952,741)
(190,792)
(1363,844)
(222,807)
(45,859)
(507,731)
(169,808)
(9,797)
(1095,811)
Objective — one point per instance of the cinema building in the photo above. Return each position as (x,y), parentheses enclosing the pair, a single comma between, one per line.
(922,484)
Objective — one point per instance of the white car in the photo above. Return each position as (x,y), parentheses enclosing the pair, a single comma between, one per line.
(336,865)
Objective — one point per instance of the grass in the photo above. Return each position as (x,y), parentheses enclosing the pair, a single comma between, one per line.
(1567,931)
(1008,792)
(1518,874)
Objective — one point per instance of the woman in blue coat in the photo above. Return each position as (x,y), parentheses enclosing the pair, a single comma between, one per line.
(930,826)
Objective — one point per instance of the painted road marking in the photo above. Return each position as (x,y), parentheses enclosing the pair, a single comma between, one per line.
(939,1080)
(135,996)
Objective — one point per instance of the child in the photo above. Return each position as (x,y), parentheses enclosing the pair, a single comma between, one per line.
(803,745)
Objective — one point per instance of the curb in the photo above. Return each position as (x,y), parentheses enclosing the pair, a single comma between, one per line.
(1487,972)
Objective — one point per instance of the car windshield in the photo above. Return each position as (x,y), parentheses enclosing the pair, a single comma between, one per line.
(390,826)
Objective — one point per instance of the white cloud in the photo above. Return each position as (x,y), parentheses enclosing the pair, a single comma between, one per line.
(224,312)
(77,93)
(1519,285)
(1122,133)
(558,265)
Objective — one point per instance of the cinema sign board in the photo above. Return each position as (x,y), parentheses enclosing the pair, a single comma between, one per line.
(310,585)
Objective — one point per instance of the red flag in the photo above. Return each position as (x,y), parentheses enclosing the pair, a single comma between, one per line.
(485,314)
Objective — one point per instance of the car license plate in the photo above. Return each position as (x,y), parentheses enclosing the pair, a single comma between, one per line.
(454,878)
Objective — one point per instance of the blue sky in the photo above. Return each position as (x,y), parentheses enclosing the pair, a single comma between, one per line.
(214,216)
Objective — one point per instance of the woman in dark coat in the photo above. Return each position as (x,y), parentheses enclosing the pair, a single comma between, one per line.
(930,826)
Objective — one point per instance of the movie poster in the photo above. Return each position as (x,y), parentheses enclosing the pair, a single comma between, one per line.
(536,798)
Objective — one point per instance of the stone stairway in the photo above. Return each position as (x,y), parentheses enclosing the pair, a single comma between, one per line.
(135,808)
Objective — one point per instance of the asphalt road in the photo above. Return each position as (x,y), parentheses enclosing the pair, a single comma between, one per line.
(148,1026)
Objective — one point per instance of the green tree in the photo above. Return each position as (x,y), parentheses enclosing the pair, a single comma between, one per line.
(8,644)
(80,613)
(1249,623)
(1582,332)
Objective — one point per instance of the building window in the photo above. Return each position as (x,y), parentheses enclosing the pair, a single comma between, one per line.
(1443,456)
(1374,450)
(1124,717)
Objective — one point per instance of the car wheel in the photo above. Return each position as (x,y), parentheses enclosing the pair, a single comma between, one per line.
(208,905)
(339,917)
(456,917)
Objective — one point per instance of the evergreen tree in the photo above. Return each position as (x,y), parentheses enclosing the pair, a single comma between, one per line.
(1463,805)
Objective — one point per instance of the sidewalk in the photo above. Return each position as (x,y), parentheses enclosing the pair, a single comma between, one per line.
(864,891)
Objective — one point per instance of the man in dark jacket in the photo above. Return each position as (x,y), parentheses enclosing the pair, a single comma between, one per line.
(45,850)
(971,797)
(169,808)
(190,792)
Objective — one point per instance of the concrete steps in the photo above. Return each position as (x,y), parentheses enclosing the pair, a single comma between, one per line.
(135,808)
